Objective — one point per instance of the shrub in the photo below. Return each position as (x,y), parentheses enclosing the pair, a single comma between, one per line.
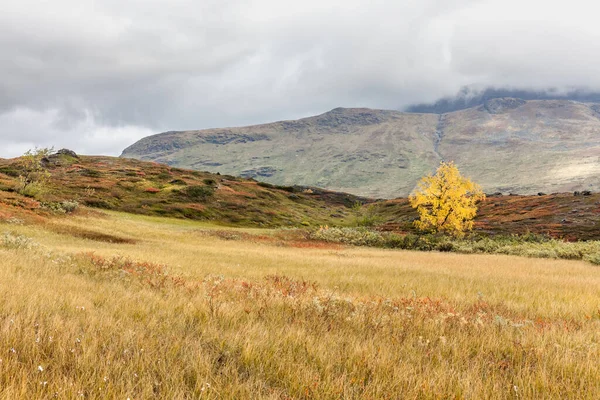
(163,176)
(9,172)
(16,241)
(353,236)
(63,207)
(98,203)
(33,181)
(70,205)
(31,189)
(91,173)
(594,258)
(365,215)
(199,192)
(527,245)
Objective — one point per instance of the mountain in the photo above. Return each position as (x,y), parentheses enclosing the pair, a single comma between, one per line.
(505,144)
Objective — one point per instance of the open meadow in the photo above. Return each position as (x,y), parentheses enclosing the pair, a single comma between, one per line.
(114,305)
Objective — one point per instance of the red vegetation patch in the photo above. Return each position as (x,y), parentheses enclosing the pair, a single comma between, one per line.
(151,190)
(313,244)
(335,308)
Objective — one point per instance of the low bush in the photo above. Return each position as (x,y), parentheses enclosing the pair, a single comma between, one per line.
(9,171)
(593,258)
(63,207)
(527,245)
(199,192)
(163,176)
(16,241)
(91,173)
(69,205)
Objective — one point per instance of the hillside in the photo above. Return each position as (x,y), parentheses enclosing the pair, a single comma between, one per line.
(561,215)
(507,145)
(155,189)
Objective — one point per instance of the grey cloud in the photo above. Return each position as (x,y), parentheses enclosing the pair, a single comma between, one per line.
(97,76)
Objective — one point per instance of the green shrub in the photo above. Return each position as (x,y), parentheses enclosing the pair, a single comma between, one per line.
(33,182)
(91,173)
(163,176)
(527,245)
(64,207)
(199,192)
(9,171)
(365,215)
(593,258)
(98,203)
(353,236)
(32,189)
(445,246)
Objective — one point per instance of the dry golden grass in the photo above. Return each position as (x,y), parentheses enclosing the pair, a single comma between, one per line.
(187,310)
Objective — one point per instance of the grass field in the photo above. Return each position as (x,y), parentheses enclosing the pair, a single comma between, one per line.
(111,305)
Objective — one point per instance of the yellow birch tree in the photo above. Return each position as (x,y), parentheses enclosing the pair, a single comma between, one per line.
(446,202)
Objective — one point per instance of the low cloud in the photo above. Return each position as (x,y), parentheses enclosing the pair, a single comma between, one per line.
(26,129)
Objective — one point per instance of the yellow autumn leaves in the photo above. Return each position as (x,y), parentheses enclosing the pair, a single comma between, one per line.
(446,202)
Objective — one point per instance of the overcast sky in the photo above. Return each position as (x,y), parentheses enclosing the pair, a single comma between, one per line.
(95,76)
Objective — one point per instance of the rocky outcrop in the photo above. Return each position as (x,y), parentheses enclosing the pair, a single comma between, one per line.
(502,105)
(259,172)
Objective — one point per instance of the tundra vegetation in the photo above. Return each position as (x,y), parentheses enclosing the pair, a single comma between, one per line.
(99,303)
(34,178)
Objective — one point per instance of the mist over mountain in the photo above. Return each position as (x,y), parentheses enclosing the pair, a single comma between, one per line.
(469,97)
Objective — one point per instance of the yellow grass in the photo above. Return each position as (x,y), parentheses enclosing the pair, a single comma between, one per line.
(237,316)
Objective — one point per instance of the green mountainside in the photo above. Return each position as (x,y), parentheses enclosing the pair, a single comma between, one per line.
(505,144)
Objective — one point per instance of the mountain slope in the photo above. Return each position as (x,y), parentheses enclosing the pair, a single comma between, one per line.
(506,144)
(155,189)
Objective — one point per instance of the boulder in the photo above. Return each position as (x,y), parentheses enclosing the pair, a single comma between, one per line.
(67,152)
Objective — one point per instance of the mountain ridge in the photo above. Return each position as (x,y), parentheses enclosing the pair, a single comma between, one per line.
(505,144)
(469,97)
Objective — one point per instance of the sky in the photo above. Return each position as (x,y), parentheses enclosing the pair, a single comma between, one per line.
(95,76)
